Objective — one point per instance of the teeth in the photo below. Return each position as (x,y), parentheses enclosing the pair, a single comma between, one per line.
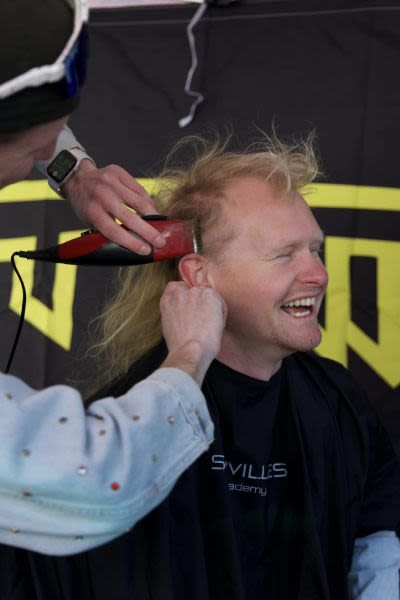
(301,302)
(303,313)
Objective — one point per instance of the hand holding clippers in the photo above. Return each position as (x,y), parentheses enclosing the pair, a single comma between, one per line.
(93,248)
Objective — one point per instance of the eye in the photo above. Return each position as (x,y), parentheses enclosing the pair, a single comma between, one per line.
(318,250)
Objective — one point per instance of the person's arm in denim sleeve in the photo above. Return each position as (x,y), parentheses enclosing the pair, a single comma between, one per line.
(375,567)
(376,557)
(70,481)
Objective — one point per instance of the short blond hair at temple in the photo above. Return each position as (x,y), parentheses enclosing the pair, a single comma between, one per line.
(130,324)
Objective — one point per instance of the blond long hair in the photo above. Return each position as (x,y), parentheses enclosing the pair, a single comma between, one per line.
(130,324)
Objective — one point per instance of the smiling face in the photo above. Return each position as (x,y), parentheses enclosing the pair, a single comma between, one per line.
(270,276)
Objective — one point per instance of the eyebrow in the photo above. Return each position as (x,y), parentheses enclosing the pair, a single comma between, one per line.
(294,245)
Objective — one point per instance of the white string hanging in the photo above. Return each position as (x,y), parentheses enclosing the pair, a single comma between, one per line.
(184,121)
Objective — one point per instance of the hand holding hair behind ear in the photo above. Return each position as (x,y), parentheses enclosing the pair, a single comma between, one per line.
(193,319)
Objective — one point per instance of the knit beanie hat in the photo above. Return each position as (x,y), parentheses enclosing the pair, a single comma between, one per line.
(33,33)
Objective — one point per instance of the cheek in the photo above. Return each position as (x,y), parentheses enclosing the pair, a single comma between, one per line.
(326,278)
(247,299)
(45,153)
(234,285)
(20,169)
(249,289)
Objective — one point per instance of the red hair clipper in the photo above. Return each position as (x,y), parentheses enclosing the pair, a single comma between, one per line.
(92,248)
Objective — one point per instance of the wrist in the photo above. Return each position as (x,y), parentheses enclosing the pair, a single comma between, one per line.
(84,166)
(64,166)
(192,358)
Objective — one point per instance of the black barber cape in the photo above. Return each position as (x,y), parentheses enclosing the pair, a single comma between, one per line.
(299,468)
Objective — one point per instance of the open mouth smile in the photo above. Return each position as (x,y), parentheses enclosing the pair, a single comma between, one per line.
(300,307)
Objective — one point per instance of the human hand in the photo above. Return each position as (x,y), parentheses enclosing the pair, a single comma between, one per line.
(99,196)
(193,319)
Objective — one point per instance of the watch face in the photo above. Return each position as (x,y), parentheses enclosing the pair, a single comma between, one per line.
(61,166)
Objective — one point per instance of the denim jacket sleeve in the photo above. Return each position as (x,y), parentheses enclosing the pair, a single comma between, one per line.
(72,480)
(375,567)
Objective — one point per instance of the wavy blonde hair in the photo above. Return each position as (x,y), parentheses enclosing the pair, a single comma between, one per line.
(130,324)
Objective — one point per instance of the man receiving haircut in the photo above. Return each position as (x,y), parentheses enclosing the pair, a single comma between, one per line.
(298,497)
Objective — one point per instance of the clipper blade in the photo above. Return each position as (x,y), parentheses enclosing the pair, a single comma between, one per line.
(196,233)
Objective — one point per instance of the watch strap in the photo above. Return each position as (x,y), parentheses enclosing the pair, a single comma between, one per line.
(80,155)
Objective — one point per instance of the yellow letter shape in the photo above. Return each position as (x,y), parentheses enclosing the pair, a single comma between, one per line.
(57,324)
(383,357)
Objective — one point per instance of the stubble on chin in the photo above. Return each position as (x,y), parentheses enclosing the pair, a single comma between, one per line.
(304,343)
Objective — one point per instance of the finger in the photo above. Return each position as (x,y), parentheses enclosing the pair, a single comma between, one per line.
(113,172)
(142,204)
(134,195)
(139,226)
(168,297)
(175,290)
(224,309)
(110,207)
(117,234)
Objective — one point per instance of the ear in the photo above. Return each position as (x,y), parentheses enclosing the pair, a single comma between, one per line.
(193,270)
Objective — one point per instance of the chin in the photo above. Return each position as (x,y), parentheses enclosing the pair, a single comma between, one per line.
(305,343)
(311,343)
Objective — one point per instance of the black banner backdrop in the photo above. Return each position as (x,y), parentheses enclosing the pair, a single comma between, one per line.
(332,69)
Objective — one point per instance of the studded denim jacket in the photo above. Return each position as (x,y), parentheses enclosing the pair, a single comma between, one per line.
(71,480)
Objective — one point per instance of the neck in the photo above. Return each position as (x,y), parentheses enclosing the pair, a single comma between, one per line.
(254,362)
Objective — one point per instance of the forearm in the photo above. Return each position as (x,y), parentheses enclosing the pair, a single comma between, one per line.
(192,358)
(375,567)
(70,481)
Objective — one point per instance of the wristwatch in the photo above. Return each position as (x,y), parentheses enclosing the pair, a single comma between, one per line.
(63,166)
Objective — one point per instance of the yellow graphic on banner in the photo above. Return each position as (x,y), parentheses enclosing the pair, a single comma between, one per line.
(361,197)
(339,332)
(55,323)
(318,195)
(28,191)
(382,356)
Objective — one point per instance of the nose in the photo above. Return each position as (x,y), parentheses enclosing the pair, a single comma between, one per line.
(313,271)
